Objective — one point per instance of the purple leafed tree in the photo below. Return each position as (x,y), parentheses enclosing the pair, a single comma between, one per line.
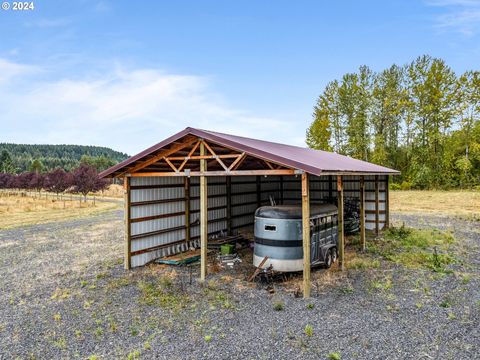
(58,181)
(24,181)
(6,180)
(37,181)
(85,180)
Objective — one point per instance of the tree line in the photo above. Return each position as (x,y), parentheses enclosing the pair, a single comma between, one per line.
(420,118)
(49,157)
(83,180)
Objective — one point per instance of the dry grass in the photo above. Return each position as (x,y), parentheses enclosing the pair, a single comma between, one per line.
(463,203)
(113,191)
(19,210)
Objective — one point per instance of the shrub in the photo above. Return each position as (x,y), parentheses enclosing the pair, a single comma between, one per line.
(395,186)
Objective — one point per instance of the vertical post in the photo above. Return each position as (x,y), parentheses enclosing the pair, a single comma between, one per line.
(128,239)
(281,189)
(203,216)
(187,210)
(259,195)
(362,212)
(229,205)
(341,238)
(330,189)
(377,217)
(387,202)
(306,235)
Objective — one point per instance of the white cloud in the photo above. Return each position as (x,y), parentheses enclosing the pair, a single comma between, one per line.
(462,16)
(10,70)
(127,109)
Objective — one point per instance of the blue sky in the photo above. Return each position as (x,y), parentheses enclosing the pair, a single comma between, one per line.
(127,74)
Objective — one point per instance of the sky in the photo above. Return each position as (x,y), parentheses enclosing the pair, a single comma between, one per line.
(127,74)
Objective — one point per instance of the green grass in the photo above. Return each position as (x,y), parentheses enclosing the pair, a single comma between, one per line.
(416,248)
(334,356)
(154,294)
(309,330)
(278,305)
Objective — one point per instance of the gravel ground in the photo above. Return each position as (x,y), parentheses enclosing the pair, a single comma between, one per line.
(64,294)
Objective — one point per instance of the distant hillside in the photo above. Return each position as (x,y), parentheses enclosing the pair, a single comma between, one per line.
(54,156)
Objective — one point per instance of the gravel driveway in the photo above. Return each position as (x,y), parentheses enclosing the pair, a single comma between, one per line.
(64,294)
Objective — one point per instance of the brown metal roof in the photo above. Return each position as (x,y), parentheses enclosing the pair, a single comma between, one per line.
(315,162)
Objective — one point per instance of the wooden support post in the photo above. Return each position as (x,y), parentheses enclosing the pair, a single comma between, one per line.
(341,237)
(281,189)
(229,205)
(377,214)
(203,216)
(330,189)
(387,202)
(306,235)
(362,212)
(259,189)
(128,239)
(187,210)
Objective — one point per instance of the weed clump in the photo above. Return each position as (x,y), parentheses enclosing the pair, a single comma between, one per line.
(334,356)
(308,330)
(155,295)
(416,248)
(278,305)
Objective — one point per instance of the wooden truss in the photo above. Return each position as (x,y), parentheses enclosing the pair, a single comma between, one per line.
(184,158)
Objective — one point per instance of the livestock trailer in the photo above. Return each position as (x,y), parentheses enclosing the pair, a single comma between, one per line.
(278,235)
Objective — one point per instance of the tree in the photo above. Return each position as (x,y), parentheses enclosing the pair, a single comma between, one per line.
(36,166)
(420,118)
(100,163)
(85,180)
(6,180)
(37,181)
(58,181)
(6,162)
(388,108)
(433,87)
(25,180)
(326,122)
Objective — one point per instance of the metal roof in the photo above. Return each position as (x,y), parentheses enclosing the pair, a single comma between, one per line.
(315,162)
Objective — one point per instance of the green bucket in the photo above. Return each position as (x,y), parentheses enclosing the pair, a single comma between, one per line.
(226,249)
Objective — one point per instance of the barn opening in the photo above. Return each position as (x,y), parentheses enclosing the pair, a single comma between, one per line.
(198,184)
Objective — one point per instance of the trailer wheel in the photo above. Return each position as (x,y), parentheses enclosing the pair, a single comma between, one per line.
(334,254)
(328,259)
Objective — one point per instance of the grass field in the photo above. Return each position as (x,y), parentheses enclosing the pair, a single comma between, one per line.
(16,210)
(455,203)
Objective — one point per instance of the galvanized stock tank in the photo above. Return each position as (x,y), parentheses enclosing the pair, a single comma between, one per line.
(278,235)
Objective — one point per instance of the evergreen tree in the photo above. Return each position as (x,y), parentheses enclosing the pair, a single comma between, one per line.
(6,162)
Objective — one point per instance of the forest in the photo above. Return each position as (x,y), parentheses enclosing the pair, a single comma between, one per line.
(420,118)
(19,158)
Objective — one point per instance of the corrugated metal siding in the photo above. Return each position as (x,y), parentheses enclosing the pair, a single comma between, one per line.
(166,197)
(244,200)
(216,199)
(172,188)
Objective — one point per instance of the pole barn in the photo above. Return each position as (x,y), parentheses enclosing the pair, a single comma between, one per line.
(199,183)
